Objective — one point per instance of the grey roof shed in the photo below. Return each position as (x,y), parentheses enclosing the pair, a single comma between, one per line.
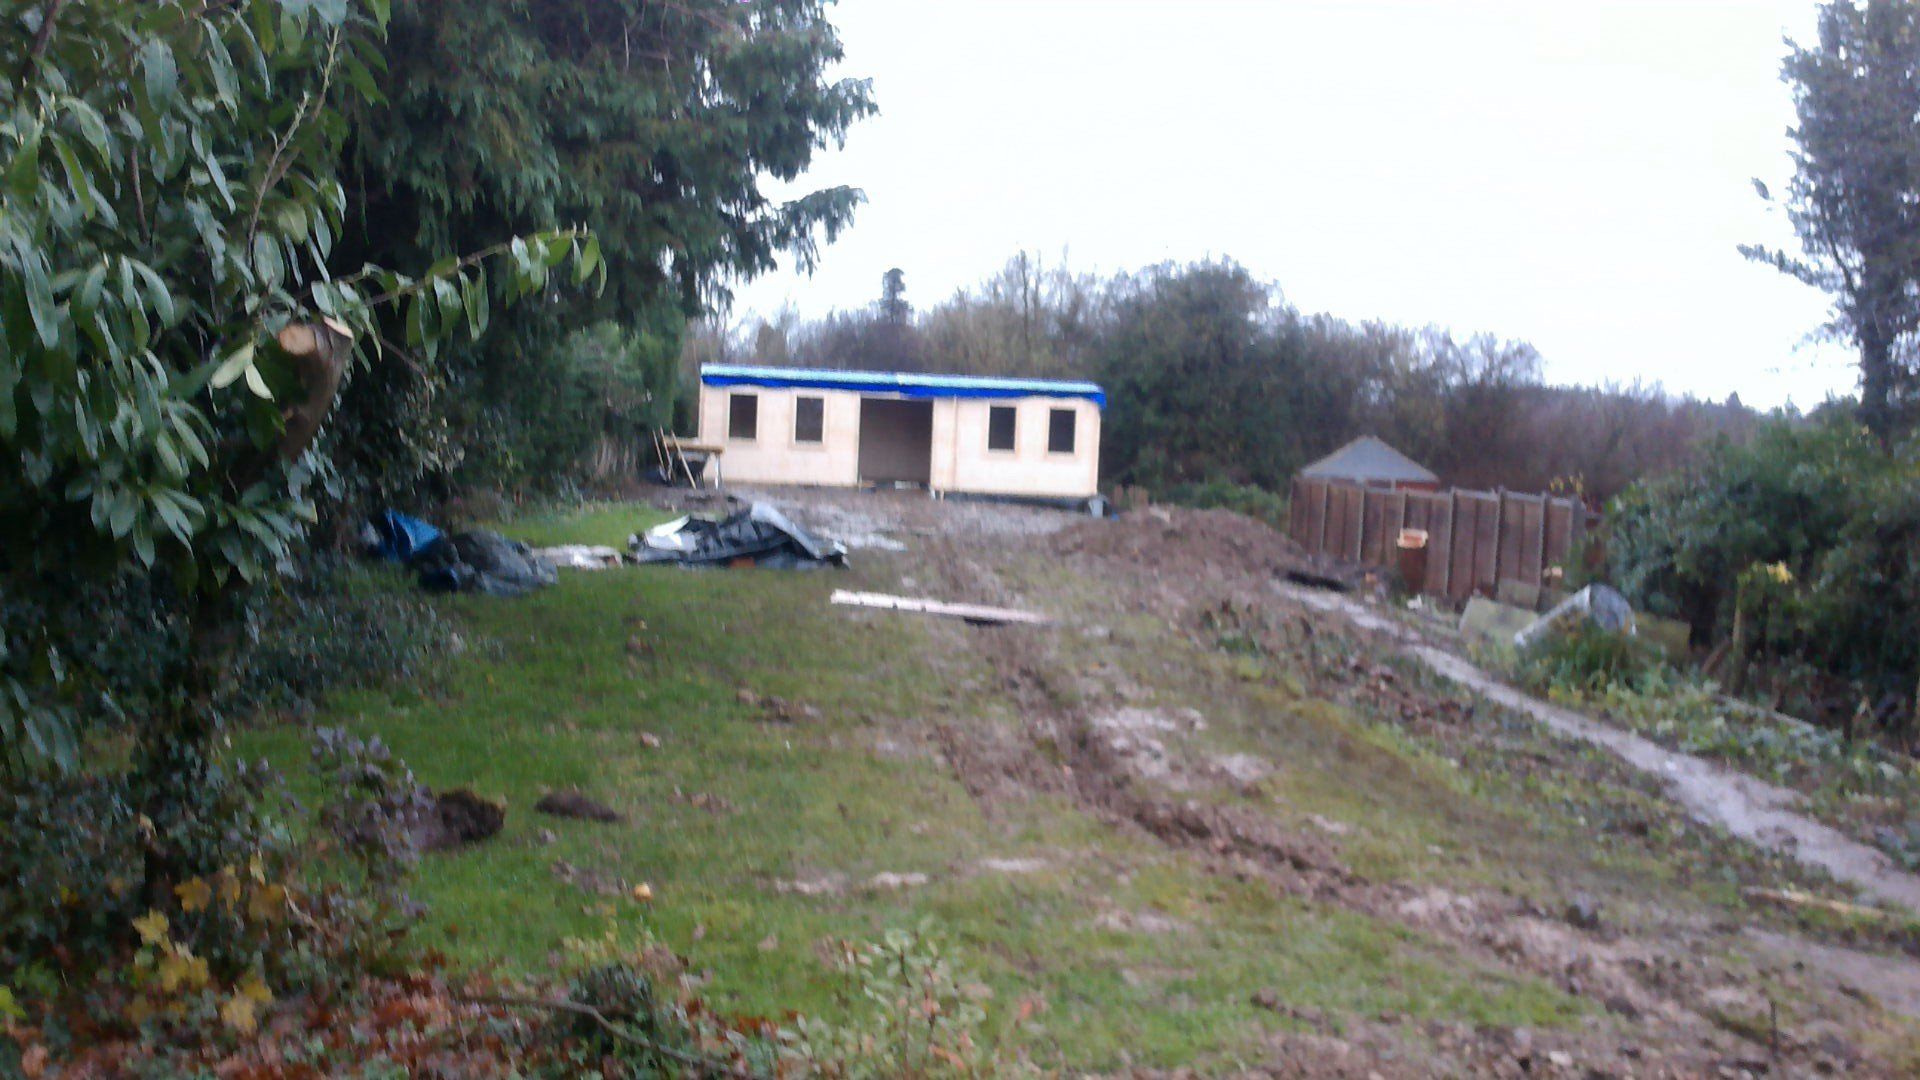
(1370,460)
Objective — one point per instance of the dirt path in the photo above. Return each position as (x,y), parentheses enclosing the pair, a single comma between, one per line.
(1744,806)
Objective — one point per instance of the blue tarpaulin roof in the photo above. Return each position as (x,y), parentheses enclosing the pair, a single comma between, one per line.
(905,384)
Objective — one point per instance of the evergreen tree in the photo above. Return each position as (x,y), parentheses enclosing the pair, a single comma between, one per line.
(1855,196)
(652,124)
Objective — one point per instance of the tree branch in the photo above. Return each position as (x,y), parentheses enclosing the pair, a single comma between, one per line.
(465,261)
(277,163)
(49,14)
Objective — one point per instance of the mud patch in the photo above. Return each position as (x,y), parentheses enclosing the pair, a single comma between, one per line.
(1892,982)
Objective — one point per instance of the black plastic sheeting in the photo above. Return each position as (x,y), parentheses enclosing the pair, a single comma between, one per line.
(478,561)
(481,562)
(759,535)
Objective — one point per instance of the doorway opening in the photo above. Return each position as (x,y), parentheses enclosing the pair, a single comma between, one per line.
(896,441)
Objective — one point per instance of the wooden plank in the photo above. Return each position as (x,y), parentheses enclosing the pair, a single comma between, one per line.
(1499,528)
(1540,546)
(1326,496)
(973,613)
(1359,542)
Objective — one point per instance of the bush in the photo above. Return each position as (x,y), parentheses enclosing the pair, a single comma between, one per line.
(339,623)
(1797,549)
(544,414)
(1585,660)
(910,1011)
(1253,501)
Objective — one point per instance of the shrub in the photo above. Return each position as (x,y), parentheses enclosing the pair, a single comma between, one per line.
(1585,660)
(1798,549)
(1253,501)
(909,1009)
(339,623)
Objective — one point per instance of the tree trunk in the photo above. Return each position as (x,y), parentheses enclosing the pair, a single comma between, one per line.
(1876,384)
(175,781)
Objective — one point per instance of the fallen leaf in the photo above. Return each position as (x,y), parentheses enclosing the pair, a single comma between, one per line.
(267,902)
(237,1012)
(152,927)
(194,895)
(769,943)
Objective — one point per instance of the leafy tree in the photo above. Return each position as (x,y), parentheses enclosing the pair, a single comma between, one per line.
(1804,539)
(174,336)
(653,124)
(1206,378)
(1855,196)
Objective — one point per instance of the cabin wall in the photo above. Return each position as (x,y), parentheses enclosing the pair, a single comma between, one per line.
(959,458)
(774,456)
(962,462)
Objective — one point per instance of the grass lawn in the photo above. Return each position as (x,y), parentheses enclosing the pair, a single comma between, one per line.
(1136,954)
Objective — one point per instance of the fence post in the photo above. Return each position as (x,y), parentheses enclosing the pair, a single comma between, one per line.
(1360,530)
(1453,536)
(1499,531)
(1546,506)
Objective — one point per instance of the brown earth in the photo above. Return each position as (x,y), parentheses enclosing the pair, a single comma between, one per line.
(1685,991)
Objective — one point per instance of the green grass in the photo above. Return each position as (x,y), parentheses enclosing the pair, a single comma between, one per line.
(555,690)
(603,524)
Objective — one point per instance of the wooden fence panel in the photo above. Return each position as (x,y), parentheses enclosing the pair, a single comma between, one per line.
(1559,525)
(1373,515)
(1439,541)
(1475,539)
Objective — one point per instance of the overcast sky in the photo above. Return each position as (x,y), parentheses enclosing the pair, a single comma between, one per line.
(1573,174)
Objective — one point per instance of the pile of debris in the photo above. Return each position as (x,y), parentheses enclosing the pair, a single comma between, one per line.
(475,561)
(756,536)
(480,561)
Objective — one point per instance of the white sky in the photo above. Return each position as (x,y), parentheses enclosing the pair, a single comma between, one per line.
(1573,174)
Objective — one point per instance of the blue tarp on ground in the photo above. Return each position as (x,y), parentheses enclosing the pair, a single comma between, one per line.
(905,384)
(402,538)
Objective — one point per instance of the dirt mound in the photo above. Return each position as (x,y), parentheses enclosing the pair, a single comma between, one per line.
(458,818)
(1180,538)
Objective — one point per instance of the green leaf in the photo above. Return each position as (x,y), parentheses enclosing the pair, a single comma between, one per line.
(237,363)
(23,176)
(162,76)
(589,260)
(78,179)
(157,294)
(172,515)
(266,260)
(120,510)
(46,317)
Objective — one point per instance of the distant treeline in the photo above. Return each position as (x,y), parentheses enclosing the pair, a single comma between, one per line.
(1213,376)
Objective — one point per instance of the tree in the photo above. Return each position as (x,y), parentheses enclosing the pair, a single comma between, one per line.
(1206,379)
(1854,200)
(895,311)
(174,335)
(653,124)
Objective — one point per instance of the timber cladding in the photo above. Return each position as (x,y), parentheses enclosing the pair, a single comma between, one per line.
(1477,541)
